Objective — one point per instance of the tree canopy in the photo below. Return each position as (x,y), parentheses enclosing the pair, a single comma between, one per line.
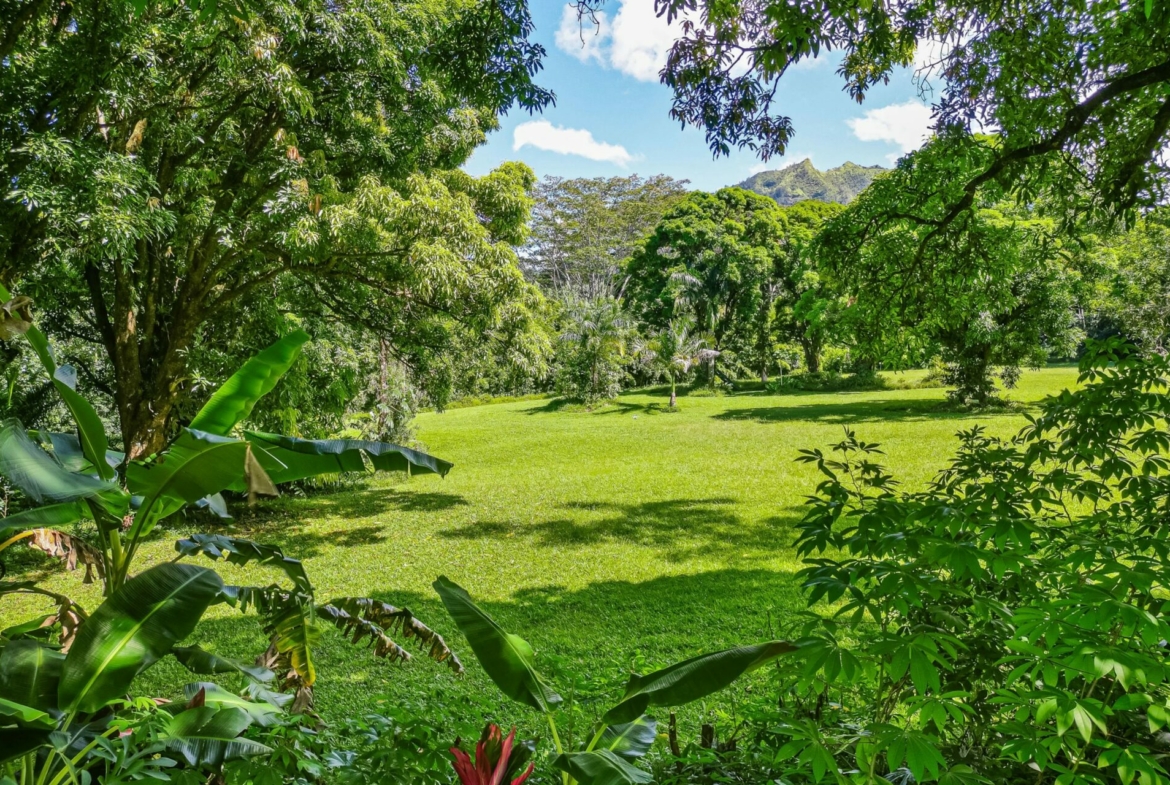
(165,168)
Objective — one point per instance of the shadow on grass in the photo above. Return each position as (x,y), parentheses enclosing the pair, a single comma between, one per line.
(683,529)
(618,406)
(861,411)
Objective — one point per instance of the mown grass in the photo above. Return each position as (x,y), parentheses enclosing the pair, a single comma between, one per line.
(619,538)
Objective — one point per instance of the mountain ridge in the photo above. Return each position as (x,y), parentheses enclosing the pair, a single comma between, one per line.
(800,181)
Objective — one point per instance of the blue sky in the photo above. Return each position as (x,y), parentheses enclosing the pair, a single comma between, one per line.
(612,116)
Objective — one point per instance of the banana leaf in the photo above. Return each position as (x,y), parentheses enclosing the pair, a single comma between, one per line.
(631,740)
(261,712)
(234,401)
(35,472)
(601,767)
(50,515)
(392,619)
(68,451)
(507,658)
(135,627)
(239,551)
(692,679)
(17,742)
(207,736)
(93,434)
(11,711)
(287,458)
(204,663)
(196,465)
(294,635)
(30,673)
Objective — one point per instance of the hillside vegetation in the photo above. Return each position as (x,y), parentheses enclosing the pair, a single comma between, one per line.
(802,181)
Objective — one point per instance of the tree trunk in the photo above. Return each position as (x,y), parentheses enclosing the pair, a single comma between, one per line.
(673,397)
(812,354)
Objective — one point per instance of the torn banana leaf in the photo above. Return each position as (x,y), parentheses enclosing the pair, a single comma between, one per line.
(394,619)
(239,551)
(287,458)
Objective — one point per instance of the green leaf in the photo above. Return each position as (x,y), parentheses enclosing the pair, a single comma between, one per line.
(1149,8)
(233,402)
(29,674)
(132,630)
(49,516)
(692,679)
(205,663)
(64,378)
(508,659)
(35,472)
(239,551)
(631,740)
(962,775)
(294,635)
(25,715)
(262,713)
(196,465)
(287,458)
(17,742)
(206,736)
(600,767)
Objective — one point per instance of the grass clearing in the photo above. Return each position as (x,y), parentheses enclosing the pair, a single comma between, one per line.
(625,537)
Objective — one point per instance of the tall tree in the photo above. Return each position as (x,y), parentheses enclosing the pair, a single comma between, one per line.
(711,257)
(583,230)
(163,168)
(1138,294)
(998,294)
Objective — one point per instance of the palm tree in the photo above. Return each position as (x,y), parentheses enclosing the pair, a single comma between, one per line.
(674,351)
(597,333)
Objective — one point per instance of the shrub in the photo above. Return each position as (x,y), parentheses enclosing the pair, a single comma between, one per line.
(1007,623)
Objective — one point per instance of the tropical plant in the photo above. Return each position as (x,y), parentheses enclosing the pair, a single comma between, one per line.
(674,352)
(63,714)
(1008,623)
(594,350)
(625,732)
(498,759)
(75,477)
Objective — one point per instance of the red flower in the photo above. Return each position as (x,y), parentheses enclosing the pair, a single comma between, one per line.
(496,759)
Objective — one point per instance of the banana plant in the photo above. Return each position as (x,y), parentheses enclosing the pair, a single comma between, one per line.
(61,713)
(74,477)
(625,732)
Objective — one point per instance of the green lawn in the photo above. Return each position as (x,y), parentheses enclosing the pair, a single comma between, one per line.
(607,539)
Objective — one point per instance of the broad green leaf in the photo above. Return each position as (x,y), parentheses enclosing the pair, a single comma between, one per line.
(133,629)
(692,679)
(508,659)
(25,715)
(29,674)
(262,713)
(196,465)
(240,551)
(207,736)
(64,378)
(287,458)
(962,775)
(601,767)
(631,740)
(50,516)
(233,402)
(35,472)
(205,663)
(16,742)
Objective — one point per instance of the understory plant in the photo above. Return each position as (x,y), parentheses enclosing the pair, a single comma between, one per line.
(1008,623)
(64,717)
(625,732)
(94,508)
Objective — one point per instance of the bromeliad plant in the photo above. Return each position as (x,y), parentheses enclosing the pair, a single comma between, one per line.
(1007,624)
(63,716)
(625,733)
(76,477)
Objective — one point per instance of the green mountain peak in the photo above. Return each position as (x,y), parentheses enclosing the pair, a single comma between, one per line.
(799,181)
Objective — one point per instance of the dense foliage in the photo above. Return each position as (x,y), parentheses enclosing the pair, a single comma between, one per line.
(997,289)
(1006,624)
(166,169)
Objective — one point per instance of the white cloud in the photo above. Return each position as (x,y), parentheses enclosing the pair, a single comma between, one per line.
(758,167)
(635,42)
(583,37)
(543,135)
(906,125)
